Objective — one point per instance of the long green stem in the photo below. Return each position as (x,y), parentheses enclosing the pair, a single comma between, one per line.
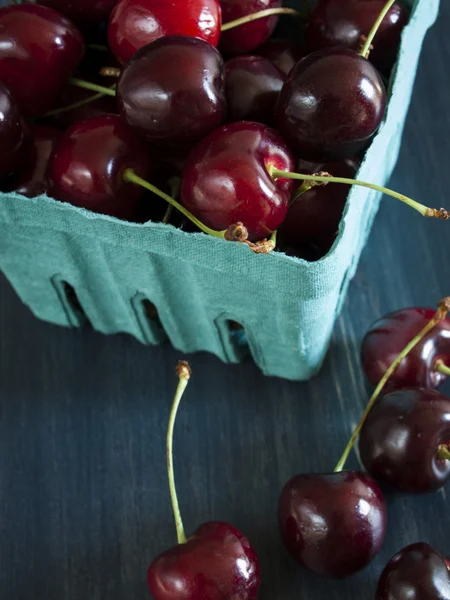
(441,313)
(268,12)
(87,85)
(441,367)
(365,50)
(444,452)
(423,210)
(184,374)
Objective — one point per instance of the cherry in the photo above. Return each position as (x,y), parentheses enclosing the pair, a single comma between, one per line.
(344,22)
(314,216)
(248,37)
(331,105)
(14,135)
(173,91)
(253,85)
(216,562)
(283,53)
(32,180)
(226,181)
(39,50)
(136,23)
(402,438)
(83,12)
(333,524)
(417,572)
(88,164)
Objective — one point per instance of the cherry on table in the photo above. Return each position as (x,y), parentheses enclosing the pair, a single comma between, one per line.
(283,53)
(416,572)
(331,105)
(136,23)
(401,440)
(386,338)
(39,50)
(15,139)
(343,22)
(82,12)
(88,164)
(173,90)
(332,524)
(252,87)
(226,180)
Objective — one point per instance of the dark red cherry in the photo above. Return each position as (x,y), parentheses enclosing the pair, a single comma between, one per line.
(388,336)
(173,90)
(400,440)
(226,181)
(246,38)
(32,180)
(15,139)
(39,50)
(333,524)
(217,562)
(283,53)
(83,12)
(136,23)
(252,87)
(88,164)
(331,105)
(418,572)
(343,22)
(314,217)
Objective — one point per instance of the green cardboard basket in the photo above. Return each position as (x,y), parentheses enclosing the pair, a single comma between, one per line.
(199,284)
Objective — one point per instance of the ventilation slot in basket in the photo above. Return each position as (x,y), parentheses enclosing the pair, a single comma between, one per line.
(234,339)
(71,303)
(149,321)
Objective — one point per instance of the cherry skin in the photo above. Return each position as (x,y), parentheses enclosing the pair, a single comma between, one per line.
(32,180)
(331,105)
(176,104)
(283,53)
(388,336)
(252,87)
(136,23)
(39,50)
(400,439)
(343,22)
(83,12)
(88,163)
(217,562)
(226,181)
(418,571)
(332,524)
(246,38)
(314,217)
(15,138)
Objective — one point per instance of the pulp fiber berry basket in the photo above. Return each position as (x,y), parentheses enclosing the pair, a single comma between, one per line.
(59,258)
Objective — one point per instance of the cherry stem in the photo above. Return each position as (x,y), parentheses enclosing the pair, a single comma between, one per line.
(98,47)
(174,190)
(268,12)
(184,374)
(87,85)
(75,105)
(441,313)
(365,50)
(444,451)
(110,72)
(326,178)
(441,367)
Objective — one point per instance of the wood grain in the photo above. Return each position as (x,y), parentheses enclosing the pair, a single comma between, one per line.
(84,504)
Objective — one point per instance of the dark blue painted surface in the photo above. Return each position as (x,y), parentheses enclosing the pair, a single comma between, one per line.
(84,504)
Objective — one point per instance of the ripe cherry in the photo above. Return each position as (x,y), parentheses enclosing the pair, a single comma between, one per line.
(402,439)
(248,37)
(82,12)
(331,105)
(88,164)
(15,139)
(418,571)
(226,181)
(343,22)
(176,105)
(33,179)
(136,23)
(252,87)
(283,53)
(39,50)
(333,524)
(423,366)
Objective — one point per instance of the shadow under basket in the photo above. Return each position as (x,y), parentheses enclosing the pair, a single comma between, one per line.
(73,267)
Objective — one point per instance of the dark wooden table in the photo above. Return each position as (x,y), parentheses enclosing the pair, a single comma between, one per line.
(84,503)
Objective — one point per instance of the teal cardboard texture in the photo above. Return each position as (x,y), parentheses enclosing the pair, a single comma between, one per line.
(197,283)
